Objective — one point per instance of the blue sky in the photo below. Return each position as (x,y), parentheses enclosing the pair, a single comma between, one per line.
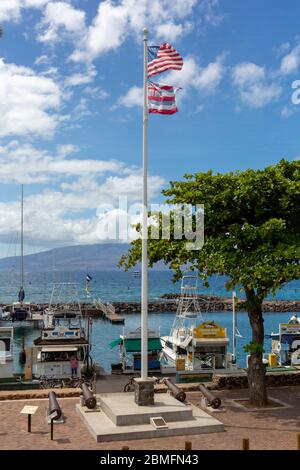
(70,100)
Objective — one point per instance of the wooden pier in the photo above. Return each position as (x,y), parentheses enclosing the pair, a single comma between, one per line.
(107,311)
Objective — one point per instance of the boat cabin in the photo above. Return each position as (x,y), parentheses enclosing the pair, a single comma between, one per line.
(20,311)
(286,343)
(130,351)
(209,347)
(6,352)
(62,338)
(202,348)
(55,360)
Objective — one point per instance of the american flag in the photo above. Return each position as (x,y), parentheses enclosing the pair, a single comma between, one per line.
(165,58)
(161,99)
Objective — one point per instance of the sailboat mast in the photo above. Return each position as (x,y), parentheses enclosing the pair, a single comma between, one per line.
(22,238)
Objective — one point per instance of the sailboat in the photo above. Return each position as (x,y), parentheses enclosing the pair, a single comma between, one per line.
(21,310)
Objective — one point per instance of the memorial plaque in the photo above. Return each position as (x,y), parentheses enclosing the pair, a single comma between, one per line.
(29,410)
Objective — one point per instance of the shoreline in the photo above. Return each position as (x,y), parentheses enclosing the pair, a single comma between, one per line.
(169,302)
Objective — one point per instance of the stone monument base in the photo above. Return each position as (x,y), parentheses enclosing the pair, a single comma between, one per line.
(122,419)
(144,392)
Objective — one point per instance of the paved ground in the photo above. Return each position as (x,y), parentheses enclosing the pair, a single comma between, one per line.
(269,429)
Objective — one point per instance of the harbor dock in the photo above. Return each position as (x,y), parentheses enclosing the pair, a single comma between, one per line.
(105,310)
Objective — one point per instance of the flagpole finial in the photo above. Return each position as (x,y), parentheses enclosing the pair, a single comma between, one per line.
(145,31)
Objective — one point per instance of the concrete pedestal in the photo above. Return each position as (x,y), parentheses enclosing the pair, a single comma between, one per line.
(122,419)
(144,392)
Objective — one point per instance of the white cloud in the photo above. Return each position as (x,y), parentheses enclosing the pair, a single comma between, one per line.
(247,73)
(58,216)
(199,108)
(23,163)
(254,87)
(204,79)
(59,19)
(208,9)
(283,48)
(96,93)
(170,30)
(134,97)
(81,110)
(291,61)
(286,111)
(42,60)
(106,32)
(10,10)
(260,95)
(82,78)
(115,21)
(27,102)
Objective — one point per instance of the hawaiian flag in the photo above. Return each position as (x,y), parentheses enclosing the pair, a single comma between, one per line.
(165,58)
(161,99)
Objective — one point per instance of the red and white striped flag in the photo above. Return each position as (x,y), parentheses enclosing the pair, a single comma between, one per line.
(167,58)
(161,99)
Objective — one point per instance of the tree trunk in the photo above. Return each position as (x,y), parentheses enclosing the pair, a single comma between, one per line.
(256,368)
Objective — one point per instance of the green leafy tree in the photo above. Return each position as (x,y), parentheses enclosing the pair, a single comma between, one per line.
(252,226)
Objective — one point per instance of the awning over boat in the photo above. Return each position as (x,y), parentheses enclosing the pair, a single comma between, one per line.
(210,341)
(115,343)
(58,348)
(134,344)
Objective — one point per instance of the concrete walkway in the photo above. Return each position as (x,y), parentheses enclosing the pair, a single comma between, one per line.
(268,429)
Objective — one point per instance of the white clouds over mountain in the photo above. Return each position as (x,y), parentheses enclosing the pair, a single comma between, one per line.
(58,216)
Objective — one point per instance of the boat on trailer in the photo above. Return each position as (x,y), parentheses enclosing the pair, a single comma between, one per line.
(195,344)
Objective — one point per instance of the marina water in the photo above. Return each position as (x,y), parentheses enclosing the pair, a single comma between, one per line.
(120,286)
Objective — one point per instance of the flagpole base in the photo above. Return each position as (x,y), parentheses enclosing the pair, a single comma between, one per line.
(144,391)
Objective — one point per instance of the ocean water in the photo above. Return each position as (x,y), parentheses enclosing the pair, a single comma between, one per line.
(120,286)
(104,332)
(114,286)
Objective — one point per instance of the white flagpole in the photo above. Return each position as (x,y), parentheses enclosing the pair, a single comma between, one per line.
(144,320)
(233,327)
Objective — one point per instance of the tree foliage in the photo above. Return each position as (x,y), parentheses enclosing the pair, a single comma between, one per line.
(252,226)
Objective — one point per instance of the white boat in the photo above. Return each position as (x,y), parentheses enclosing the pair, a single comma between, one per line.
(199,345)
(286,343)
(63,336)
(6,352)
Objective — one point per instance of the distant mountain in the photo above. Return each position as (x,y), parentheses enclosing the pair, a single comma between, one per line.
(101,257)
